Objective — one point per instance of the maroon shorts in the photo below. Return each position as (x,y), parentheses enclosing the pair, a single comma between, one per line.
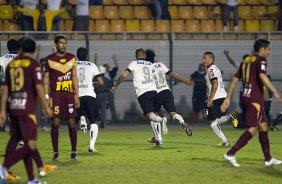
(254,113)
(24,127)
(63,104)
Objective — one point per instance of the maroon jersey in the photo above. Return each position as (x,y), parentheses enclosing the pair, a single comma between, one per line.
(60,71)
(248,72)
(22,74)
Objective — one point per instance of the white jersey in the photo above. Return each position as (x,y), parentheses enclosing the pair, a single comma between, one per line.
(142,76)
(86,71)
(5,60)
(213,73)
(160,76)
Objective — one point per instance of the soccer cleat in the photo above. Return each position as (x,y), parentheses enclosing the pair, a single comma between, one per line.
(56,156)
(164,122)
(11,177)
(92,150)
(2,175)
(233,118)
(36,181)
(187,129)
(74,156)
(231,160)
(272,162)
(153,140)
(221,143)
(47,169)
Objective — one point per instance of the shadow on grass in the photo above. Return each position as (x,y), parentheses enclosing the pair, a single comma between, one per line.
(272,171)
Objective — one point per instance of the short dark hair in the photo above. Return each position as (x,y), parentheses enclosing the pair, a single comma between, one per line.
(13,45)
(140,53)
(82,54)
(260,43)
(27,44)
(150,55)
(210,54)
(59,37)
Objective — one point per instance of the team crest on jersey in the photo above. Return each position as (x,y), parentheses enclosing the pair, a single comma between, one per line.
(263,67)
(63,60)
(211,72)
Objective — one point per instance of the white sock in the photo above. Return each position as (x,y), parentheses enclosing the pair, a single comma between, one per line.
(157,130)
(178,118)
(93,135)
(223,119)
(155,118)
(216,128)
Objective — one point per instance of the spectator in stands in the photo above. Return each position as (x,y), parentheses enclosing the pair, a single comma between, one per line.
(54,5)
(231,5)
(159,9)
(26,19)
(96,2)
(81,21)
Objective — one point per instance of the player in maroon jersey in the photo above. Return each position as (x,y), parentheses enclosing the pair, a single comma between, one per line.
(252,72)
(60,77)
(22,85)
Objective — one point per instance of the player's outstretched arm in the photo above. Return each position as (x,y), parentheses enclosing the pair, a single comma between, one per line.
(123,76)
(4,98)
(230,60)
(179,78)
(231,88)
(95,58)
(114,58)
(265,80)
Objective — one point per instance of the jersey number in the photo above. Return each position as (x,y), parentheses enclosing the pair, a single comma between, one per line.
(146,73)
(17,78)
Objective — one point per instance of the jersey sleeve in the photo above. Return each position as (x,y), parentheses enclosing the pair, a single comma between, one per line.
(165,69)
(96,72)
(238,74)
(212,73)
(36,73)
(131,66)
(261,67)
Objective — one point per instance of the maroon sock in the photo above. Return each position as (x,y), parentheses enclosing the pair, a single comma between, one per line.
(243,140)
(264,142)
(11,147)
(55,137)
(28,166)
(37,158)
(16,156)
(73,138)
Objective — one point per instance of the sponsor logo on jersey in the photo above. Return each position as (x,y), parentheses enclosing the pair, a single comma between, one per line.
(212,72)
(67,76)
(9,56)
(144,62)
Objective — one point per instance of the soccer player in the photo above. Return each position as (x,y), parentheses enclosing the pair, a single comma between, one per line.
(145,87)
(23,83)
(164,95)
(61,76)
(86,72)
(216,97)
(252,72)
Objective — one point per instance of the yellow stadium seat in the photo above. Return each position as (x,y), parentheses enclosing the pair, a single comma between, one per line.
(207,26)
(252,26)
(200,12)
(267,25)
(180,2)
(1,26)
(273,11)
(91,25)
(192,25)
(3,2)
(194,2)
(10,26)
(218,25)
(108,2)
(62,25)
(267,2)
(136,2)
(177,26)
(102,25)
(208,2)
(259,12)
(96,12)
(111,12)
(132,25)
(173,11)
(162,26)
(245,12)
(185,12)
(215,12)
(142,12)
(242,2)
(68,25)
(72,2)
(65,15)
(117,25)
(6,12)
(253,2)
(126,12)
(241,25)
(148,25)
(120,2)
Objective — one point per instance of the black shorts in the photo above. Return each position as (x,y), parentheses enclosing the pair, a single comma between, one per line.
(148,102)
(165,99)
(214,112)
(89,108)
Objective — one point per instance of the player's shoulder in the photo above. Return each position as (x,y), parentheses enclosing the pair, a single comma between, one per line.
(69,55)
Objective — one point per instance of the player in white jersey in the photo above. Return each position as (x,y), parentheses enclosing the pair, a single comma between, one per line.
(86,72)
(216,97)
(144,85)
(164,94)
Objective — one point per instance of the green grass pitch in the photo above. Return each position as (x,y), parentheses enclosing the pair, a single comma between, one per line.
(125,157)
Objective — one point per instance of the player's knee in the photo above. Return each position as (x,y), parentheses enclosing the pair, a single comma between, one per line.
(31,144)
(253,130)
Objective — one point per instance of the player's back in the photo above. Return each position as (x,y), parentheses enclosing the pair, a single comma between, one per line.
(22,74)
(142,76)
(249,71)
(160,76)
